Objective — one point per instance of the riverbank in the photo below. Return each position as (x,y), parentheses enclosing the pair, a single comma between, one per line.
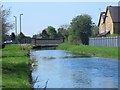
(97,51)
(15,69)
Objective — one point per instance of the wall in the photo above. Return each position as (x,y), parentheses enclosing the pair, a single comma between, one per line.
(108,22)
(102,26)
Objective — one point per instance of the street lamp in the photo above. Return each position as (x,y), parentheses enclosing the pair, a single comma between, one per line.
(15,24)
(20,22)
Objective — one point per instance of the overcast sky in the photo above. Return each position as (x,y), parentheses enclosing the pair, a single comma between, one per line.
(39,15)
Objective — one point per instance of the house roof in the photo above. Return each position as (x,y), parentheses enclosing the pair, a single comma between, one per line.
(114,12)
(102,14)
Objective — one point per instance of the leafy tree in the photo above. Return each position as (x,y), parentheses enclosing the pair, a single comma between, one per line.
(34,36)
(21,37)
(12,36)
(39,35)
(5,24)
(44,34)
(62,33)
(95,30)
(119,3)
(80,29)
(51,32)
(65,26)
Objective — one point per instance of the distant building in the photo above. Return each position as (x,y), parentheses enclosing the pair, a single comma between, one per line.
(109,21)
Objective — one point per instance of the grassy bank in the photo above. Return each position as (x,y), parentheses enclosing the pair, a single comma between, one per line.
(110,52)
(15,68)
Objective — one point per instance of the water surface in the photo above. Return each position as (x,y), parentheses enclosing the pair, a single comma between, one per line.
(65,70)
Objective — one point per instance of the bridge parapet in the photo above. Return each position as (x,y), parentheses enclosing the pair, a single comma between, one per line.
(46,42)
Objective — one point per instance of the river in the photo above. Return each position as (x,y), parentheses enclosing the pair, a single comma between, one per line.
(62,69)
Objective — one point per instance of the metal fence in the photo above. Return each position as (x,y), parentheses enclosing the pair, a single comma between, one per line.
(105,41)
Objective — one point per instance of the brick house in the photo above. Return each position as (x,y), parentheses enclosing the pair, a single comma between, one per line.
(109,21)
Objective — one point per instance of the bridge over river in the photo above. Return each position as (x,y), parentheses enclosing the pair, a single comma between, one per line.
(38,42)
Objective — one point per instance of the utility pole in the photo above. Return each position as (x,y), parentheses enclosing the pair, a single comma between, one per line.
(20,22)
(15,25)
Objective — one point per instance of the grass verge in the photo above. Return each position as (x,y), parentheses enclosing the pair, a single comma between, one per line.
(99,51)
(15,68)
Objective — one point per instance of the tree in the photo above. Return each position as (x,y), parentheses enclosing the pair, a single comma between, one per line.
(21,37)
(62,33)
(119,3)
(51,32)
(5,24)
(44,34)
(12,36)
(34,36)
(65,26)
(80,29)
(95,30)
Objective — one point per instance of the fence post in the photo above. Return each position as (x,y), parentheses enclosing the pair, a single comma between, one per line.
(118,41)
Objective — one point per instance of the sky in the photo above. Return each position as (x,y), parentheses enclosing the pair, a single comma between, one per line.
(38,15)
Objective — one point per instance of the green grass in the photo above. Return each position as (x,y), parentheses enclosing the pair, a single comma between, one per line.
(15,67)
(99,51)
(0,71)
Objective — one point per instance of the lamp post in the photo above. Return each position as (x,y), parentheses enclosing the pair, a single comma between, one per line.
(15,24)
(20,22)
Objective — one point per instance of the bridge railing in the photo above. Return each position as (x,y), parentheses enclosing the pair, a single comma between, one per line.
(40,42)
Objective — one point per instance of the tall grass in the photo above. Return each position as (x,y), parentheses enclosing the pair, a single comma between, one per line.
(15,68)
(111,52)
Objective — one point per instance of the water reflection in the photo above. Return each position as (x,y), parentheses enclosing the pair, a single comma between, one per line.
(65,70)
